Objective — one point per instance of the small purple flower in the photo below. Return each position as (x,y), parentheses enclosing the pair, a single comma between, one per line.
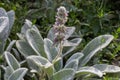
(59,26)
(62,15)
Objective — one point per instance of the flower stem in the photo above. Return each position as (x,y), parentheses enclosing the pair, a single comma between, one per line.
(60,52)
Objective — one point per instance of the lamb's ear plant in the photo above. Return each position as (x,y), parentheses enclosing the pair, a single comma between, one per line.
(6,23)
(45,56)
(13,71)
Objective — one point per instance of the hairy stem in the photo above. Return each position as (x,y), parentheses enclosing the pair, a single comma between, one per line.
(60,52)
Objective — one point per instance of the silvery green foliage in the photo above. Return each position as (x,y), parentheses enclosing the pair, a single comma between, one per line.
(6,23)
(13,71)
(41,53)
(95,45)
(42,61)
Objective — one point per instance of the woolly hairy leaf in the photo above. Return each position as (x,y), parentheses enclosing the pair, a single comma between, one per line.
(88,70)
(72,64)
(25,48)
(26,26)
(4,22)
(107,68)
(94,46)
(39,63)
(12,62)
(8,72)
(10,45)
(64,74)
(51,51)
(18,74)
(58,64)
(3,13)
(35,40)
(68,49)
(11,16)
(75,56)
(4,28)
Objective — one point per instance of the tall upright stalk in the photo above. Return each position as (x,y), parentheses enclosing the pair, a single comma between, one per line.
(59,53)
(60,30)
